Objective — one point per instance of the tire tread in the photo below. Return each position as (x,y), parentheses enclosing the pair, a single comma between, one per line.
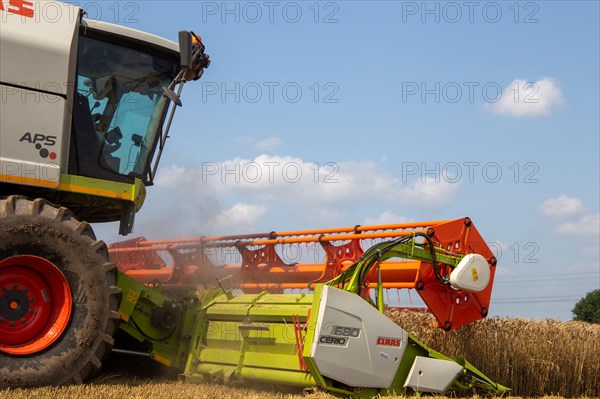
(16,205)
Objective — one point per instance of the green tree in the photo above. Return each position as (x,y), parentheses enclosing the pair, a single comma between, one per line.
(588,308)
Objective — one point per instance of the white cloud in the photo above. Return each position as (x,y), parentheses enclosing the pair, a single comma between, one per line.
(521,98)
(386,217)
(292,180)
(270,191)
(237,219)
(269,144)
(592,252)
(569,217)
(244,140)
(429,192)
(319,217)
(559,207)
(173,177)
(587,225)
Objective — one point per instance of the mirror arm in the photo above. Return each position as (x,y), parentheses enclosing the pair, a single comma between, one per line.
(165,134)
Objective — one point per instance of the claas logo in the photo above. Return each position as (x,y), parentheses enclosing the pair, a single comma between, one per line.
(18,7)
(41,141)
(389,341)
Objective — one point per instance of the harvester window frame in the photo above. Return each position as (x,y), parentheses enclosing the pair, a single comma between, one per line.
(141,170)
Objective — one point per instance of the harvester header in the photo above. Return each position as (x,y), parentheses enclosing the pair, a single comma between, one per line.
(425,256)
(334,335)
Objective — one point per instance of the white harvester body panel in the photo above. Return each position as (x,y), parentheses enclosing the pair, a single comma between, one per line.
(37,52)
(37,64)
(30,143)
(355,344)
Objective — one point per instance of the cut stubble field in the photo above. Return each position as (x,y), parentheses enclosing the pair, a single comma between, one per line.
(143,389)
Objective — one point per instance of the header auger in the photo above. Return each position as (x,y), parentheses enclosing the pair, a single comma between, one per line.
(261,264)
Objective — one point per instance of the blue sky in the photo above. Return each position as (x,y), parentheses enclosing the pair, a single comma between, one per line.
(405,111)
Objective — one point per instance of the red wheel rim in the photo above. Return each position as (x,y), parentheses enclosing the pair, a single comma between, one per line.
(35,304)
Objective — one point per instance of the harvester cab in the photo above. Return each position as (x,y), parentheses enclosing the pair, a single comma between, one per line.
(87,107)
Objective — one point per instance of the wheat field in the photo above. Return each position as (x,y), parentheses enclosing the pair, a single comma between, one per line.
(533,357)
(536,358)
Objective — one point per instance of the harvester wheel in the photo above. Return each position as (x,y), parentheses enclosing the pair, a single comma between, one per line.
(58,296)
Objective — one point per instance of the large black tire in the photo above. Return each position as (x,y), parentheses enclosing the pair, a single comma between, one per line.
(36,227)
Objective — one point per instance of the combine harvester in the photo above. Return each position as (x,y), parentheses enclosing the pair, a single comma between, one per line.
(85,114)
